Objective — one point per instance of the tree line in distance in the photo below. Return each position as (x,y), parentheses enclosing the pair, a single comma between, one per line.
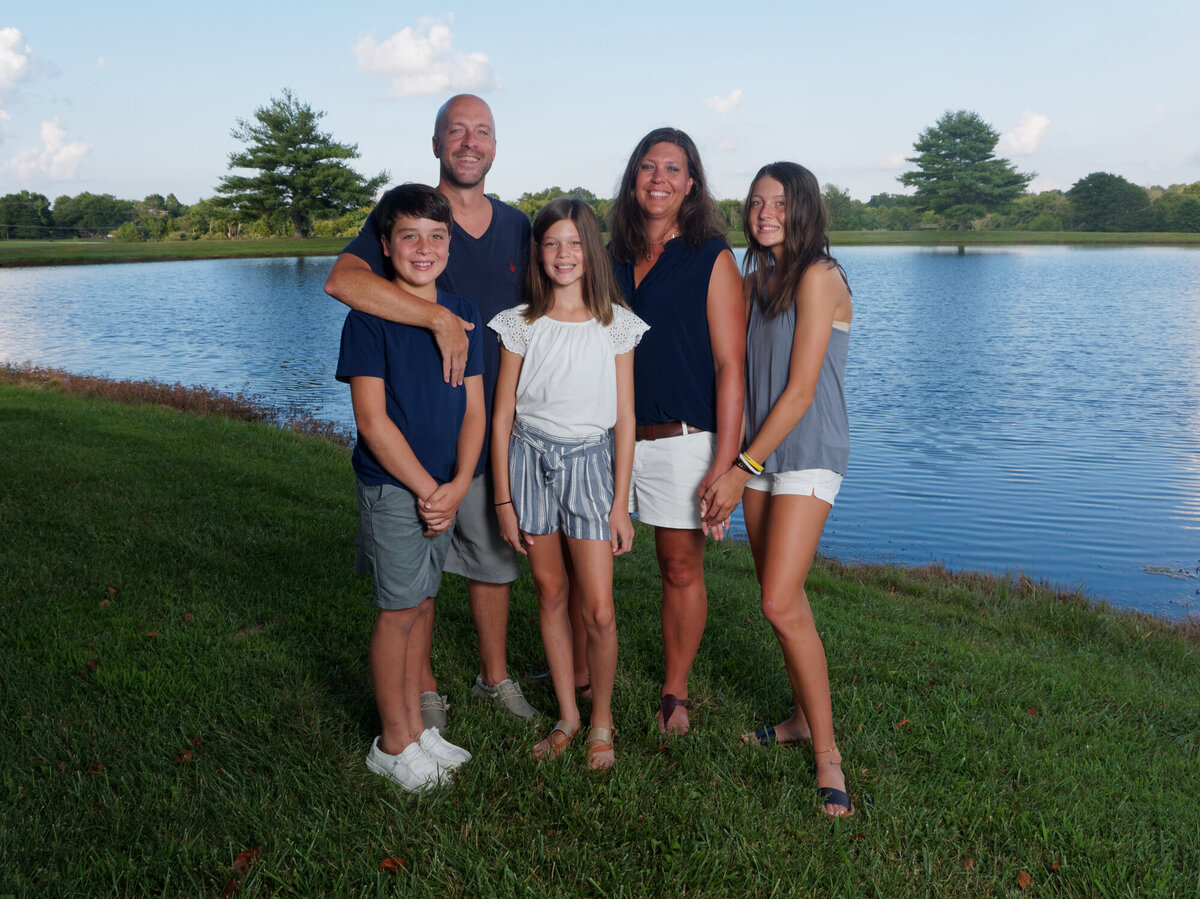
(293,180)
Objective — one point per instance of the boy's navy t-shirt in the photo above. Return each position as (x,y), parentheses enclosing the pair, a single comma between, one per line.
(427,410)
(488,270)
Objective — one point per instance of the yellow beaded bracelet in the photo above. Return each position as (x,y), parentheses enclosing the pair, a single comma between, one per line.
(745,457)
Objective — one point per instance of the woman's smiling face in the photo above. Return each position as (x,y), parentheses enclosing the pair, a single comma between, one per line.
(663,181)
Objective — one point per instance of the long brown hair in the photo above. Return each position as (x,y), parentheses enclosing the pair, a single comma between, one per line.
(805,241)
(698,216)
(600,291)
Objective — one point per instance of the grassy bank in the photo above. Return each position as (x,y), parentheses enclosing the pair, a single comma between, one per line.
(86,252)
(187,704)
(15,253)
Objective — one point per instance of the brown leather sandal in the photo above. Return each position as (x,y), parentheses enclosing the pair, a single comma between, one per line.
(666,708)
(566,733)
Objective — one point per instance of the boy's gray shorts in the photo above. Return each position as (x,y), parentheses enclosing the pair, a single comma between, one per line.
(391,544)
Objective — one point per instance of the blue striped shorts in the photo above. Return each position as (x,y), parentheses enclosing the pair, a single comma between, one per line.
(561,484)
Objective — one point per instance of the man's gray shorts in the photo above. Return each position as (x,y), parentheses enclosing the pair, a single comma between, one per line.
(477,551)
(392,546)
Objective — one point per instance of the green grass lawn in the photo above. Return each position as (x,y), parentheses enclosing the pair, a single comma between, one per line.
(86,252)
(186,707)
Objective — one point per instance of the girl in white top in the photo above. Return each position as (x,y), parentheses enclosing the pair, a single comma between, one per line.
(562,453)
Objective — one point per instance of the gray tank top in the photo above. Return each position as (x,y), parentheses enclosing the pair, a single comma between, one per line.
(821,439)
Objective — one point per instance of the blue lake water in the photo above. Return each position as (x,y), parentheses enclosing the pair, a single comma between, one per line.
(1032,409)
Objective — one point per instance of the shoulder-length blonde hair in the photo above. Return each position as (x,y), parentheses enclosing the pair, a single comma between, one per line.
(805,241)
(600,291)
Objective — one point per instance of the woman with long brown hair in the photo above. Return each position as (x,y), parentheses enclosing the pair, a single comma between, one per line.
(671,259)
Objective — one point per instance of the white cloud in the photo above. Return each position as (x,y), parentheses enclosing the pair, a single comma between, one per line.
(1023,139)
(1160,117)
(14,59)
(725,105)
(423,60)
(14,64)
(55,158)
(101,63)
(894,161)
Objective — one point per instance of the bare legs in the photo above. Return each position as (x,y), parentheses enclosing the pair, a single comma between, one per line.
(784,532)
(680,555)
(396,656)
(578,632)
(551,585)
(591,562)
(427,683)
(684,612)
(489,608)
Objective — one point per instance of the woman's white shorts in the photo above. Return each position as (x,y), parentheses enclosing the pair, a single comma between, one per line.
(666,475)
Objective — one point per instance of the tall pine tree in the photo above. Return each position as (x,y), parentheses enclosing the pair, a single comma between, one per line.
(958,175)
(300,170)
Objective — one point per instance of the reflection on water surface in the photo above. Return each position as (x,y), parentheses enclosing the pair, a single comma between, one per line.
(1011,408)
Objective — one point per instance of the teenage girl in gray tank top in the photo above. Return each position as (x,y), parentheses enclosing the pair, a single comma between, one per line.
(797,440)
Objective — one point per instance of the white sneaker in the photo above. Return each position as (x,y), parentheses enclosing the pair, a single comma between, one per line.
(442,751)
(412,769)
(427,766)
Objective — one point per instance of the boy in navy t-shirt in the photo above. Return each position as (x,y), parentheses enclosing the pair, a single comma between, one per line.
(419,440)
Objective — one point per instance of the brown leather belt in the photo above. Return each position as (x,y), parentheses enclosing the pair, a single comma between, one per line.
(666,429)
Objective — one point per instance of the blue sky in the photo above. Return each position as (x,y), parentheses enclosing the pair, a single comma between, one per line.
(132,98)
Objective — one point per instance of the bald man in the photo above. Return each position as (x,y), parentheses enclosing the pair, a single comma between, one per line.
(489,251)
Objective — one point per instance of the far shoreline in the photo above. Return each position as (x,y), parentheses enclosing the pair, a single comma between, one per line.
(44,253)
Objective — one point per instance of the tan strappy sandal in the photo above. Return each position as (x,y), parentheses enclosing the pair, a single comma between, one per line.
(556,744)
(599,739)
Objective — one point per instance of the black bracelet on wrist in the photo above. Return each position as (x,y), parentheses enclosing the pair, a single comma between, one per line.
(505,503)
(741,463)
